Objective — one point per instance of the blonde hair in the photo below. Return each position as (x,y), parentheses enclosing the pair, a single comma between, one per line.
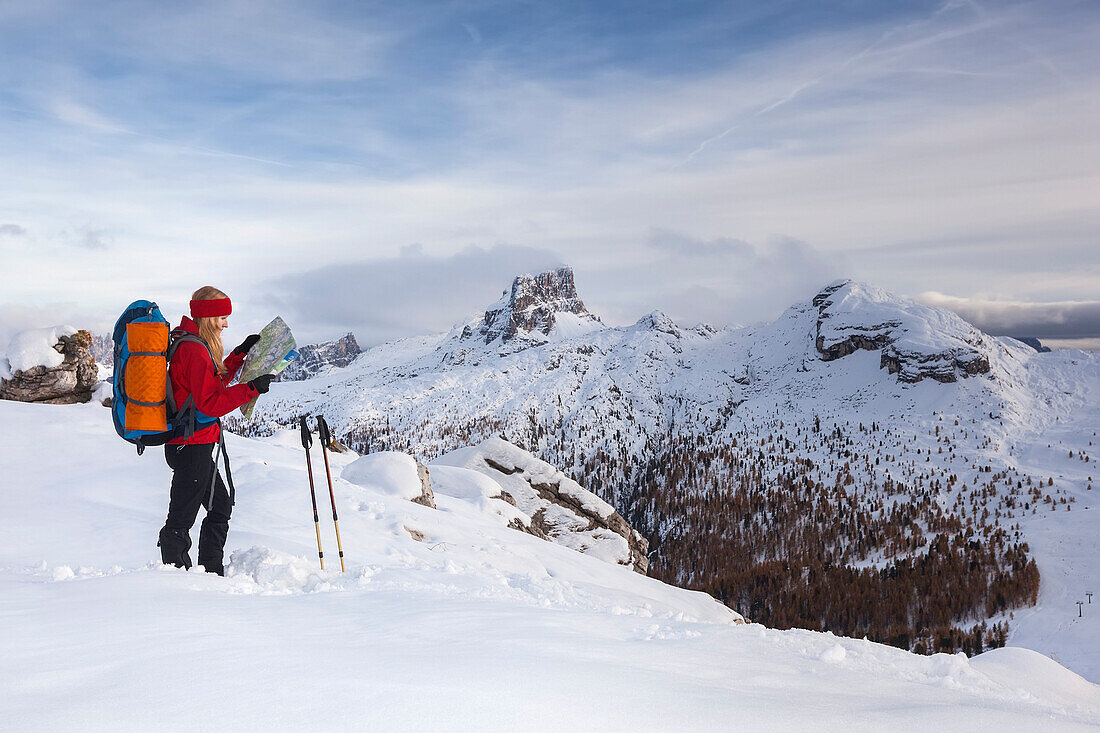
(208,331)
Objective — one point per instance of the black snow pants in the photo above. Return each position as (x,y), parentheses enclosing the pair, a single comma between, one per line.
(192,470)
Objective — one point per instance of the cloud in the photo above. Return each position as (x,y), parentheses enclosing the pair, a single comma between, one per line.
(79,115)
(412,294)
(12,230)
(1061,320)
(721,281)
(863,133)
(17,317)
(1083,344)
(91,238)
(472,31)
(677,243)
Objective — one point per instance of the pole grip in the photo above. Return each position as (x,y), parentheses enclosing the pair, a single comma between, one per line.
(307,436)
(323,431)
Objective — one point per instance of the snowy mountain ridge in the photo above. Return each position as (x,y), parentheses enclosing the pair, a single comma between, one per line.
(315,358)
(906,416)
(915,341)
(654,371)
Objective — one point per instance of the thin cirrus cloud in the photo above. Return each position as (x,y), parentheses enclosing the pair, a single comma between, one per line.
(664,153)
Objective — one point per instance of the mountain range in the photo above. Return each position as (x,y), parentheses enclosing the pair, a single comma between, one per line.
(816,471)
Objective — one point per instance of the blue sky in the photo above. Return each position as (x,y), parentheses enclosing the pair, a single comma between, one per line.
(386,168)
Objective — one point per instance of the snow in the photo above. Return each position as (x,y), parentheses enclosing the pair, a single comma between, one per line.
(531,471)
(478,627)
(104,390)
(387,472)
(923,329)
(516,472)
(645,380)
(474,488)
(570,325)
(31,348)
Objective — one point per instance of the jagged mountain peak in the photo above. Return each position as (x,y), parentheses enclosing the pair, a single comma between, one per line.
(533,309)
(317,358)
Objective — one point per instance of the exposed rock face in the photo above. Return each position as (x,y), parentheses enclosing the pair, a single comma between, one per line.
(72,381)
(554,507)
(531,309)
(315,358)
(915,341)
(859,336)
(944,367)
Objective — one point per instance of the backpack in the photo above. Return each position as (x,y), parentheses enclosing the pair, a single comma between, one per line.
(144,407)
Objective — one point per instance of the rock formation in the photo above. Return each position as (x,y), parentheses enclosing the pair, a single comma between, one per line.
(427,496)
(531,309)
(315,358)
(554,507)
(914,341)
(73,380)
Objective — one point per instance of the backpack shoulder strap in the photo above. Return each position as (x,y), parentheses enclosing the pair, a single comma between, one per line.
(179,336)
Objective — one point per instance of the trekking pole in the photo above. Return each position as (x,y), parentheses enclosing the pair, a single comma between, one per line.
(326,439)
(307,441)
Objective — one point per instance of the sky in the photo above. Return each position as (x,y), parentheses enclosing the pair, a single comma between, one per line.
(388,168)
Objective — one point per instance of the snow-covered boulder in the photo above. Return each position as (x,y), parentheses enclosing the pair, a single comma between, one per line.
(915,341)
(52,365)
(396,474)
(555,507)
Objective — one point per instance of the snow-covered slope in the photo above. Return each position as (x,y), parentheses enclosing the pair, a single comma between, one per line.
(477,627)
(549,504)
(962,421)
(642,380)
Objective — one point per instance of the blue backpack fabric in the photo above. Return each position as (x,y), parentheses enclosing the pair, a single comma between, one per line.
(181,420)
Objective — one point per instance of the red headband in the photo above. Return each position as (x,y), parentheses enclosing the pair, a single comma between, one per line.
(211,308)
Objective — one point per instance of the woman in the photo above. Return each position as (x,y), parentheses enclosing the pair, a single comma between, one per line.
(198,372)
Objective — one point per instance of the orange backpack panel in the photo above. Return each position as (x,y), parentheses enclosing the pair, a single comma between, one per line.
(147,376)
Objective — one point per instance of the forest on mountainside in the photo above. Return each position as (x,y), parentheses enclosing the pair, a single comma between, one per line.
(929,564)
(852,529)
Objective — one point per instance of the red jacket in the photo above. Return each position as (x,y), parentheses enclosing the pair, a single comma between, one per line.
(192,372)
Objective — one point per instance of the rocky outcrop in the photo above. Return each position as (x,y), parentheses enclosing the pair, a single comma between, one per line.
(944,367)
(555,508)
(315,358)
(427,496)
(531,309)
(73,380)
(914,341)
(852,336)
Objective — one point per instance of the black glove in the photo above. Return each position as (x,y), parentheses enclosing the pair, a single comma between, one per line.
(262,383)
(247,344)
